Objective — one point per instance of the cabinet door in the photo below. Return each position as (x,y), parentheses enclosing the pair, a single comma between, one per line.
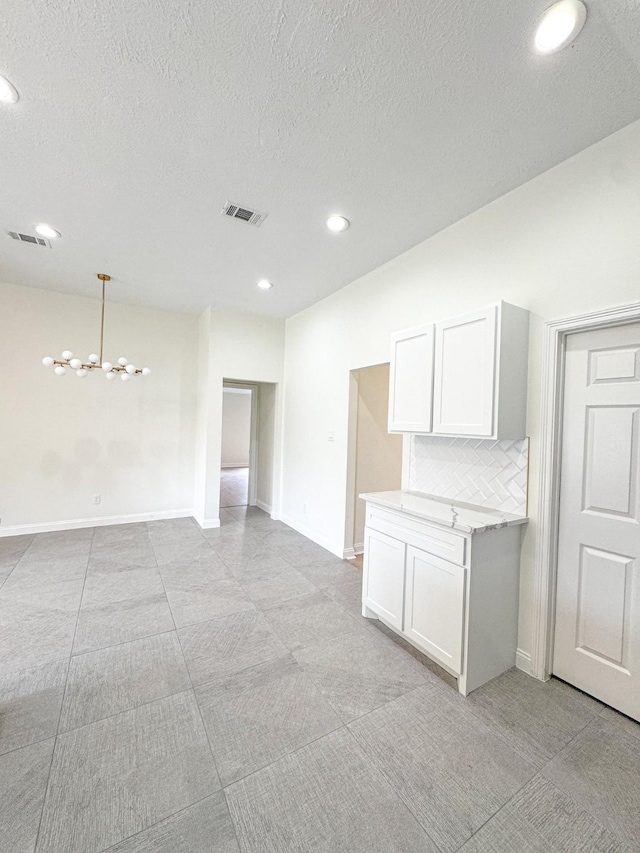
(434,607)
(464,371)
(383,582)
(411,380)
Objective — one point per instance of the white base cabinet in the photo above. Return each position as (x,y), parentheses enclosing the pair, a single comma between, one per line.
(452,595)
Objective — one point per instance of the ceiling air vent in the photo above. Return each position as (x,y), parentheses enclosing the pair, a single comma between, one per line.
(29,238)
(246,214)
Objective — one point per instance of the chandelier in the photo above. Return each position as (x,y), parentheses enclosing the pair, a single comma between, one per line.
(94,361)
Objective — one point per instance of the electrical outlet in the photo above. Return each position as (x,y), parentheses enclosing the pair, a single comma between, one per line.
(97,499)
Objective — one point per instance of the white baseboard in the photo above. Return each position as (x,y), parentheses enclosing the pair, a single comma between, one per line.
(99,521)
(234,465)
(359,548)
(263,506)
(349,554)
(523,661)
(311,534)
(207,523)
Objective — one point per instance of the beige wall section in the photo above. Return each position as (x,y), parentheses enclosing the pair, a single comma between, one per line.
(245,348)
(266,445)
(64,439)
(236,427)
(562,244)
(378,453)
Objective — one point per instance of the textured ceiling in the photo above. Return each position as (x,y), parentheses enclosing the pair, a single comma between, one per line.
(137,120)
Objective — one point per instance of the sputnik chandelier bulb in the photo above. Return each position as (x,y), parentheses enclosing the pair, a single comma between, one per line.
(123,367)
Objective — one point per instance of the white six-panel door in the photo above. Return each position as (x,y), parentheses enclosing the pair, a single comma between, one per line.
(597,627)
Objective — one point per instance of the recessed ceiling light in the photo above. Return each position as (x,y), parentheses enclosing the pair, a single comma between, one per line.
(8,92)
(47,231)
(264,284)
(337,223)
(559,25)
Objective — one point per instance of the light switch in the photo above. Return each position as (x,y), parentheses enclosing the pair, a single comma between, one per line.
(331,438)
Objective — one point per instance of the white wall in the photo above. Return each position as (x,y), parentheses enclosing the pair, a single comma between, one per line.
(241,347)
(564,243)
(378,452)
(64,439)
(236,428)
(267,394)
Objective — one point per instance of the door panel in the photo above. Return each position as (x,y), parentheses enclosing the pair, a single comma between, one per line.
(597,628)
(411,380)
(464,374)
(610,474)
(383,582)
(434,608)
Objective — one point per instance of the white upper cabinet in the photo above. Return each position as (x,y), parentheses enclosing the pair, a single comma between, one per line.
(411,380)
(478,368)
(465,374)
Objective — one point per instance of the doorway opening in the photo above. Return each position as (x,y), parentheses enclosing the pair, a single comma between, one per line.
(374,456)
(235,457)
(248,444)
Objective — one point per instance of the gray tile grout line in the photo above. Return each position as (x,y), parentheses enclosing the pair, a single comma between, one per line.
(195,698)
(55,742)
(162,820)
(371,763)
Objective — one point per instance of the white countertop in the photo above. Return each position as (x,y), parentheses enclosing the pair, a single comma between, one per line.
(467,518)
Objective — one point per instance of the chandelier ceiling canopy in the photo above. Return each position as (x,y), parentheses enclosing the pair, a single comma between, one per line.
(94,360)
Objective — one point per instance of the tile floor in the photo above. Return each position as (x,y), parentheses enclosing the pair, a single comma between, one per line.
(171,691)
(234,487)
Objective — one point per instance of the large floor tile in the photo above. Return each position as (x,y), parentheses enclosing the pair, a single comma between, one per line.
(23,783)
(277,588)
(260,714)
(536,718)
(205,567)
(122,622)
(133,551)
(300,554)
(111,587)
(199,601)
(325,798)
(173,550)
(32,572)
(116,777)
(309,619)
(12,548)
(203,828)
(541,819)
(347,593)
(255,565)
(631,727)
(360,671)
(228,644)
(446,765)
(599,770)
(30,702)
(330,572)
(116,679)
(37,629)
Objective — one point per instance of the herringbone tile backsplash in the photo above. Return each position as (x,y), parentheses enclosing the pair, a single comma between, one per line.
(475,471)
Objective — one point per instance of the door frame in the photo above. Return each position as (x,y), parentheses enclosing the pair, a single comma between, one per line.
(552,404)
(252,490)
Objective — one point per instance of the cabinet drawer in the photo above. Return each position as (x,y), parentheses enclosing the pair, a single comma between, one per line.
(435,540)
